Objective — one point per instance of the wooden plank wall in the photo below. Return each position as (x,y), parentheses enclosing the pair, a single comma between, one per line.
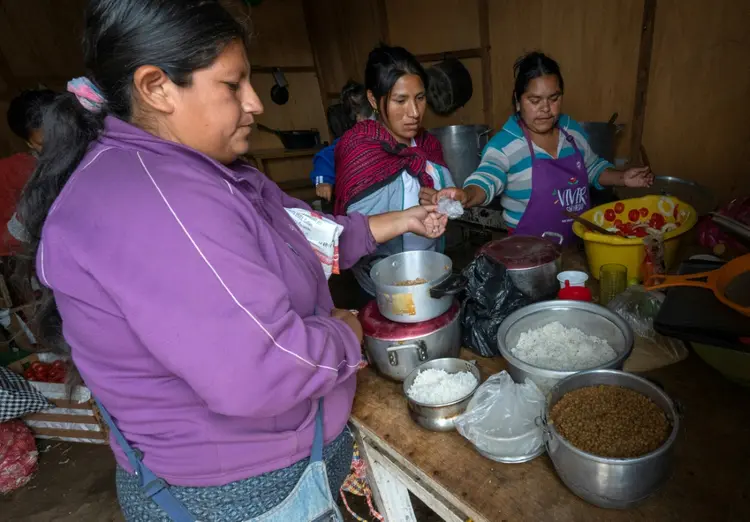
(697,108)
(695,100)
(596,44)
(39,44)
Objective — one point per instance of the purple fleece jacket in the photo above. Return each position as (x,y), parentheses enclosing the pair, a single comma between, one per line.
(196,310)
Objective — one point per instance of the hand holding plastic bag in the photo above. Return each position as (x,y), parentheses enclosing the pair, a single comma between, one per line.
(503,409)
(451,208)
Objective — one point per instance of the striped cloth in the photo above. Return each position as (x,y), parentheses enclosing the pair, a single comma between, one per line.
(368,157)
(505,168)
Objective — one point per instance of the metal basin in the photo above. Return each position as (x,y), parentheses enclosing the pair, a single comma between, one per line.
(462,148)
(590,318)
(607,482)
(440,417)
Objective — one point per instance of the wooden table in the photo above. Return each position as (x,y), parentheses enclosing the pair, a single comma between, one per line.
(711,481)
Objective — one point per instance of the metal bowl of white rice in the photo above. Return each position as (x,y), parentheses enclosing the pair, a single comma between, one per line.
(552,340)
(438,391)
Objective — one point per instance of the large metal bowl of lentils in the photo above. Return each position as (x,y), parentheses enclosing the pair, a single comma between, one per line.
(611,435)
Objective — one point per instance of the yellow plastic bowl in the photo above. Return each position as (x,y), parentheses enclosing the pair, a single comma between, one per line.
(602,249)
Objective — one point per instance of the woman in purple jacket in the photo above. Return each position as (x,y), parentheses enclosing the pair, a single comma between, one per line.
(192,305)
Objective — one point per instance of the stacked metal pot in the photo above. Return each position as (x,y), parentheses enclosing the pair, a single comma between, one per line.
(415,317)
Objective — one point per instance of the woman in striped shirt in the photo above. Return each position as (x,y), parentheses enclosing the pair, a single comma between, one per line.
(540,163)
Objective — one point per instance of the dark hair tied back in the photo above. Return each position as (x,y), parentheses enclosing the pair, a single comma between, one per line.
(385,65)
(120,36)
(531,66)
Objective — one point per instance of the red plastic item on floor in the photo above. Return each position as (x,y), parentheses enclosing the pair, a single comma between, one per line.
(18,455)
(575,293)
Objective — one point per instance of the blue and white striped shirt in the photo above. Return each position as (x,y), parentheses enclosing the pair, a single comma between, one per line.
(505,168)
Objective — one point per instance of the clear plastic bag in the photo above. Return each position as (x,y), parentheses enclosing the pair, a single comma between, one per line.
(451,208)
(639,307)
(501,418)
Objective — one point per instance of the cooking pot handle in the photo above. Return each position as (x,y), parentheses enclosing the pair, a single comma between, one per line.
(558,237)
(454,285)
(419,346)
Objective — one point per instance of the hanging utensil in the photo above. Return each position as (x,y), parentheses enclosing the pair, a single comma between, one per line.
(588,224)
(730,283)
(294,139)
(613,118)
(280,89)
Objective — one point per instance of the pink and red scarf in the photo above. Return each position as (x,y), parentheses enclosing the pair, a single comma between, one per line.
(368,157)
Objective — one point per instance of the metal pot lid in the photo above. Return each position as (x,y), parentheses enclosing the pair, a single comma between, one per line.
(517,252)
(697,196)
(378,327)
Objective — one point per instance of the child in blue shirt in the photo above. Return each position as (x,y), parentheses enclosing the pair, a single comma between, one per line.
(341,117)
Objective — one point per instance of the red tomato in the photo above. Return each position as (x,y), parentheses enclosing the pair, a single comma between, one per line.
(609,214)
(676,211)
(640,232)
(657,221)
(627,228)
(36,365)
(644,212)
(634,215)
(619,207)
(28,374)
(618,223)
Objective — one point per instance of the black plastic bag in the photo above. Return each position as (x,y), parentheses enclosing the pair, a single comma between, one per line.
(491,296)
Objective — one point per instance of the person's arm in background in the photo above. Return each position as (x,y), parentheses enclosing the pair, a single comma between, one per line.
(488,181)
(362,233)
(602,173)
(323,175)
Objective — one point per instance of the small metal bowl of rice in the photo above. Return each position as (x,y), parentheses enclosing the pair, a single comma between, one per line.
(438,391)
(604,341)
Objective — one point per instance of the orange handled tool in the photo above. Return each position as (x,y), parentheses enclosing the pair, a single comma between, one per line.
(730,283)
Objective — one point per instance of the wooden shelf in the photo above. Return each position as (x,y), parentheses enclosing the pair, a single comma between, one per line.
(281,153)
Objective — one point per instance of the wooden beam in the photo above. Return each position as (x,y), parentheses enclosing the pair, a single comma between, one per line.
(461,54)
(7,75)
(641,85)
(484,40)
(286,69)
(385,31)
(307,7)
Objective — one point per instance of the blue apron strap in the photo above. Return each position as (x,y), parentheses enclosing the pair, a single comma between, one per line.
(316,455)
(154,487)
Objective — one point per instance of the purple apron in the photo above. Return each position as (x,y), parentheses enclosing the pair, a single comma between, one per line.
(556,185)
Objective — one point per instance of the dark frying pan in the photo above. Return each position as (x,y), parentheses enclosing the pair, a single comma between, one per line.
(294,139)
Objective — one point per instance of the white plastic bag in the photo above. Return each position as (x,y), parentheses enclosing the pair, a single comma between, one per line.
(450,207)
(651,350)
(501,418)
(322,234)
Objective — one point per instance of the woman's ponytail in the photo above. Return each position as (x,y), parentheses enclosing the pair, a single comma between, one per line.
(68,130)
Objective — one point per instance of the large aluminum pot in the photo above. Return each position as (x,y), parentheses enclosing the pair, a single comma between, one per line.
(590,318)
(396,349)
(462,148)
(415,303)
(532,263)
(441,417)
(608,482)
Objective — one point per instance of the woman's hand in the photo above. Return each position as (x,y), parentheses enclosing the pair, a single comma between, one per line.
(638,177)
(351,321)
(324,190)
(425,221)
(426,195)
(451,193)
